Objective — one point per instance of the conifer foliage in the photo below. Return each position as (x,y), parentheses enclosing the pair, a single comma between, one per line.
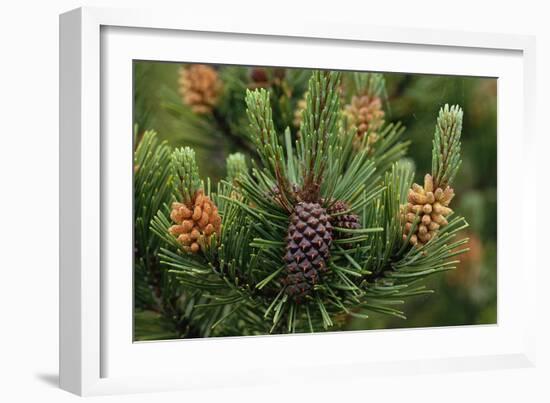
(319,224)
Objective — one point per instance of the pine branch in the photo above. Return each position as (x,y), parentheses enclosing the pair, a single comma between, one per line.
(186,174)
(151,190)
(267,142)
(446,145)
(318,130)
(240,274)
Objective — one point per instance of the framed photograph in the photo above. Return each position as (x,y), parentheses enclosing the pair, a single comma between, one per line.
(244,203)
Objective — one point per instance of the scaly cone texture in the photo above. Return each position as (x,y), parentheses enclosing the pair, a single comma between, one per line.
(366,114)
(308,248)
(195,223)
(199,87)
(431,205)
(347,220)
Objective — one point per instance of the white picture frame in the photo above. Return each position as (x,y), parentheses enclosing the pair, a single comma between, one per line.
(96,354)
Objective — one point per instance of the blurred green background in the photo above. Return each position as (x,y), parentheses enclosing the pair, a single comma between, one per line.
(467,295)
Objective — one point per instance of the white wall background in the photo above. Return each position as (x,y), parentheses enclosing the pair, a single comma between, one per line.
(29,201)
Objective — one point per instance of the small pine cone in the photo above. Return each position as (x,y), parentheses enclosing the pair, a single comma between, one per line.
(308,248)
(259,78)
(199,87)
(366,113)
(349,221)
(195,223)
(431,205)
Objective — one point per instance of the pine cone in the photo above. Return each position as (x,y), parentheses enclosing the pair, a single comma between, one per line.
(432,206)
(259,78)
(366,114)
(199,87)
(308,248)
(349,221)
(195,224)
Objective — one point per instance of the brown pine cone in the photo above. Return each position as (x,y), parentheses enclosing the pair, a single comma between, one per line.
(259,78)
(196,223)
(349,221)
(432,206)
(308,248)
(199,87)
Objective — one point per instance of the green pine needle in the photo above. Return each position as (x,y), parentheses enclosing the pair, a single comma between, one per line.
(236,166)
(446,145)
(186,174)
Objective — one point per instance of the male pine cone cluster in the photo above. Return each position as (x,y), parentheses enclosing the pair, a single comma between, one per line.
(199,87)
(365,112)
(308,248)
(431,205)
(195,224)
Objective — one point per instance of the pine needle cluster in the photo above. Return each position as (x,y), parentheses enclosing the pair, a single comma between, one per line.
(310,232)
